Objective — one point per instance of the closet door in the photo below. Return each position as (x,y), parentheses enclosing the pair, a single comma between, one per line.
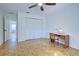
(34,28)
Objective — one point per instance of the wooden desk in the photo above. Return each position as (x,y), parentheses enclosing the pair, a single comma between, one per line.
(64,38)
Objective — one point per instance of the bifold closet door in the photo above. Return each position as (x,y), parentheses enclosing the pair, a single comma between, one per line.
(33,28)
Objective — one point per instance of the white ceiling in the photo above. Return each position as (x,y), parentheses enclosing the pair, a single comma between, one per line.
(23,7)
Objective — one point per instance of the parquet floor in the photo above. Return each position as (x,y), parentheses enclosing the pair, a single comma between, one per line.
(35,47)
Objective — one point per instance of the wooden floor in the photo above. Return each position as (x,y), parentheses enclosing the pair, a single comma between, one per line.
(35,47)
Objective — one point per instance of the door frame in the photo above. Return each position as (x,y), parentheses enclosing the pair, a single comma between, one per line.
(4,30)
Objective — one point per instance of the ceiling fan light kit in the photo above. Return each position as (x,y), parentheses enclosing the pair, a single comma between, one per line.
(40,4)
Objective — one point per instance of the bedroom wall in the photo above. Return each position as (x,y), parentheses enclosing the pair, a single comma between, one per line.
(30,28)
(68,19)
(1,27)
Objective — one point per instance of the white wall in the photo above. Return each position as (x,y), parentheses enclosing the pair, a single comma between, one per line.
(68,19)
(1,27)
(29,28)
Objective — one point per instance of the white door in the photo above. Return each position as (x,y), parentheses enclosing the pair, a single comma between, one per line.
(33,28)
(6,29)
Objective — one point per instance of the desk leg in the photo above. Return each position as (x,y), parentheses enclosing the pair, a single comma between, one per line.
(66,45)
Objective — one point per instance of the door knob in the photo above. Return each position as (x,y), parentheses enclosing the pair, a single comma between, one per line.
(5,30)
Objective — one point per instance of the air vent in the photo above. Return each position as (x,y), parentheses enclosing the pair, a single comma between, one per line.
(27,12)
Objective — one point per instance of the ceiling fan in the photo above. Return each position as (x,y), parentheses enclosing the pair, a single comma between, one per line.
(41,5)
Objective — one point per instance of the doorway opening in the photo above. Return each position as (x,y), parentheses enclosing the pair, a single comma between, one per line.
(12,31)
(10,28)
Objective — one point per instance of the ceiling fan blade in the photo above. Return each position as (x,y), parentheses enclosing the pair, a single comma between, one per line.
(41,7)
(33,5)
(50,3)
